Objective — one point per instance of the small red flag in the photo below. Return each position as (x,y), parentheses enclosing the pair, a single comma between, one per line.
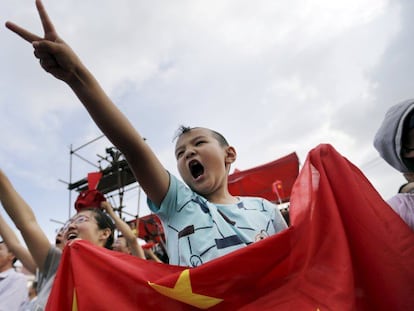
(277,188)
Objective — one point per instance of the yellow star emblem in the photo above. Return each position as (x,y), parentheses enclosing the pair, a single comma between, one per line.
(183,292)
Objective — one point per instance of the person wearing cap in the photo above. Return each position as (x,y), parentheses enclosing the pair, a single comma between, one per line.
(13,284)
(90,224)
(394,141)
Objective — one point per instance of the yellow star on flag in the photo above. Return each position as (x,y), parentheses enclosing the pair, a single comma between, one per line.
(183,292)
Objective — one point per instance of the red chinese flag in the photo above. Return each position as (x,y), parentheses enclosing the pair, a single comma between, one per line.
(345,250)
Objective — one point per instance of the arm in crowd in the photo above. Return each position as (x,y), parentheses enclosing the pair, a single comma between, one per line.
(14,245)
(57,58)
(24,219)
(122,226)
(151,255)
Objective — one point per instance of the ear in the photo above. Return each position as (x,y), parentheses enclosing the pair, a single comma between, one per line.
(11,257)
(231,155)
(105,233)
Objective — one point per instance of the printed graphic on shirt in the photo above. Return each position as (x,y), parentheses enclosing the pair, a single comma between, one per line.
(215,232)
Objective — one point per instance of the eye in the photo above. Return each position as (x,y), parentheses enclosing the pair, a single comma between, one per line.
(200,142)
(81,219)
(179,154)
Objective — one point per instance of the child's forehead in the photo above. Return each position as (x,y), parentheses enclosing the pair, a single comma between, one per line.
(194,132)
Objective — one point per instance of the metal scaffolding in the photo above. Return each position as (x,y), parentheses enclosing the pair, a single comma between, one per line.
(117,177)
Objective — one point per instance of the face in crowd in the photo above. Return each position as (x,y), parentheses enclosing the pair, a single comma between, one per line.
(7,259)
(407,150)
(92,225)
(121,245)
(203,159)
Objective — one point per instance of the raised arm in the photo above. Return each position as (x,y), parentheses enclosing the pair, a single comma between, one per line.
(14,245)
(151,255)
(130,237)
(57,58)
(25,220)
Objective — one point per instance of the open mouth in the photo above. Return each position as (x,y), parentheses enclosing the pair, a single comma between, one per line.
(196,169)
(72,236)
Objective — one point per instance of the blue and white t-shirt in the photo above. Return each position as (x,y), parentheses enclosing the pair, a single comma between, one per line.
(198,231)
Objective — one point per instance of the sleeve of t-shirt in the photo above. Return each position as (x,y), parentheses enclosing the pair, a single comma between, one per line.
(50,266)
(279,222)
(178,193)
(168,197)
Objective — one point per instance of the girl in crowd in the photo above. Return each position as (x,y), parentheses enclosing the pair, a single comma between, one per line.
(90,224)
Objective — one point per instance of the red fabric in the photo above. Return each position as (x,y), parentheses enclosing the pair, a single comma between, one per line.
(149,228)
(148,245)
(258,181)
(93,179)
(345,250)
(89,198)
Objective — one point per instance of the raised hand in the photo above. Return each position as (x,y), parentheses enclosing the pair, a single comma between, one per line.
(55,56)
(107,207)
(49,29)
(125,229)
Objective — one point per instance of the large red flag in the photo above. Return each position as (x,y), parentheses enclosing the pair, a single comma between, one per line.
(345,250)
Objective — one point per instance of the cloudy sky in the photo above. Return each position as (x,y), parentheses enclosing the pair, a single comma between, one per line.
(274,77)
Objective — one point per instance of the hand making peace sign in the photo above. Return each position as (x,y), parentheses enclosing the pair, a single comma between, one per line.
(55,56)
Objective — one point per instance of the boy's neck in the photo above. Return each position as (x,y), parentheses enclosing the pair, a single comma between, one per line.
(225,198)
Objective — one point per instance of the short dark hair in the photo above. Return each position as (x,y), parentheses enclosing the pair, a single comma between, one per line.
(182,129)
(104,221)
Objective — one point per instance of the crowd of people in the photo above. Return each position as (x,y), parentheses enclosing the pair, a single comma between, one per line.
(201,219)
